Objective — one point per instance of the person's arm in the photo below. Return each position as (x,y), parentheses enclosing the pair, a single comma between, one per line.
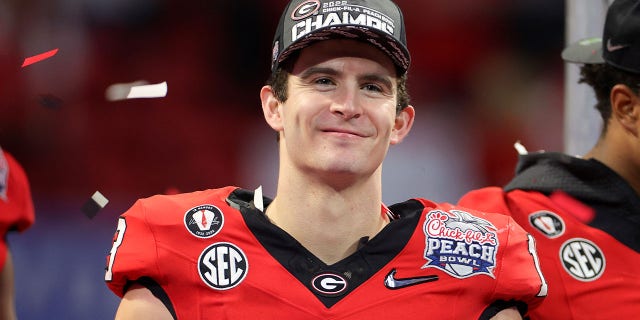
(140,303)
(7,293)
(508,314)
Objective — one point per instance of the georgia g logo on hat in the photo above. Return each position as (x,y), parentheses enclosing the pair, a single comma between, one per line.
(379,23)
(305,9)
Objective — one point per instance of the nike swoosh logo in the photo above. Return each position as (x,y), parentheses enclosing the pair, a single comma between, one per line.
(612,48)
(393,283)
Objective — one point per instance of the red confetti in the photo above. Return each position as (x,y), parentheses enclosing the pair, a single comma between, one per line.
(39,57)
(579,210)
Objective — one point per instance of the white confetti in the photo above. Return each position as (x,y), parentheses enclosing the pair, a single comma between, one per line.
(520,148)
(100,199)
(120,91)
(148,91)
(257,199)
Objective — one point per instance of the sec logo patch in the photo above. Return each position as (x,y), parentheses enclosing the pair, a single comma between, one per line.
(222,266)
(582,259)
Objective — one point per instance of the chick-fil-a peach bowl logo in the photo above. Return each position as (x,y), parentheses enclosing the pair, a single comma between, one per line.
(459,243)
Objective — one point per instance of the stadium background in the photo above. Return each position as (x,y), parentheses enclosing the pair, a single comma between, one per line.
(485,74)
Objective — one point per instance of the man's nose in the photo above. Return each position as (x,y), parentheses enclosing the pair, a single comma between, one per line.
(347,104)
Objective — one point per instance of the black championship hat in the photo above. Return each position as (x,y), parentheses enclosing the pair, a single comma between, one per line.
(378,22)
(620,42)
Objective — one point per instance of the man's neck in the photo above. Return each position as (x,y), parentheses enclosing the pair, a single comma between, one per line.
(327,222)
(622,163)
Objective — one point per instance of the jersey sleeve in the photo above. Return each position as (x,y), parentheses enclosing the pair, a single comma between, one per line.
(133,254)
(489,199)
(520,276)
(519,263)
(17,205)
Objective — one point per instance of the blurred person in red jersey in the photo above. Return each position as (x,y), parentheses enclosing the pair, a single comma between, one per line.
(16,214)
(585,211)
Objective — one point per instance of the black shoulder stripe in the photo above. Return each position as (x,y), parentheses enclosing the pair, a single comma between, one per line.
(157,291)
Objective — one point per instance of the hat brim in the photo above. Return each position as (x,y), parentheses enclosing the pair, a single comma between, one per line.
(587,50)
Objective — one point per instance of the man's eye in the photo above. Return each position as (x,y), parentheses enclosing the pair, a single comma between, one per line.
(324,81)
(372,87)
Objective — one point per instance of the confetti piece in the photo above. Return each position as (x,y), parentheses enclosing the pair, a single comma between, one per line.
(579,210)
(39,57)
(119,91)
(96,203)
(520,148)
(257,199)
(149,91)
(49,101)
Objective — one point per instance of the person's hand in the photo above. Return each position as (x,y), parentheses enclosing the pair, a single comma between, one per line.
(508,314)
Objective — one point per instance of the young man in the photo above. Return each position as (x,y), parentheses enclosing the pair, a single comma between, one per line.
(585,211)
(325,247)
(16,213)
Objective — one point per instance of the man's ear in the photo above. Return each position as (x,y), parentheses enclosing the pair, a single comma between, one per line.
(625,108)
(403,124)
(271,108)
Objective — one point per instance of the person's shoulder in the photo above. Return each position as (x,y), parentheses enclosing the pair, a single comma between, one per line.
(15,194)
(485,214)
(16,173)
(497,199)
(490,191)
(217,194)
(481,195)
(461,210)
(493,199)
(163,204)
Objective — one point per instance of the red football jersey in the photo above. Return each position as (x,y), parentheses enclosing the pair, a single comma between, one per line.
(590,273)
(213,255)
(16,205)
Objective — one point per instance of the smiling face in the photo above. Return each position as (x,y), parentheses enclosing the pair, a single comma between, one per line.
(340,115)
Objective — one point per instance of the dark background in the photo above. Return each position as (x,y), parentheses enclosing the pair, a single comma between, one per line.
(485,74)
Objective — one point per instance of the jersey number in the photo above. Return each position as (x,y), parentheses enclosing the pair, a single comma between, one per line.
(122,226)
(534,254)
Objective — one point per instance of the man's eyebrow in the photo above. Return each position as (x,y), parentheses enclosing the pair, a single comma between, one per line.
(373,77)
(318,70)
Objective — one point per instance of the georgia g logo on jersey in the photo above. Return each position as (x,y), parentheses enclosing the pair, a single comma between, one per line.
(329,284)
(460,244)
(204,221)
